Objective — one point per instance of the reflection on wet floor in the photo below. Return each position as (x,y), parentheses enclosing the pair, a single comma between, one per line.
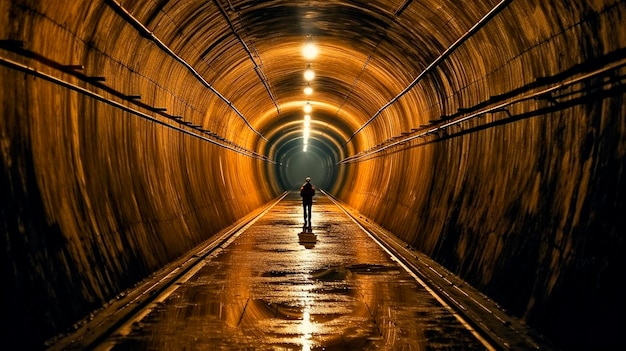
(271,290)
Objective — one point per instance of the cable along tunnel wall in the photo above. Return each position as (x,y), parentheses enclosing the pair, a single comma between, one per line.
(96,198)
(524,201)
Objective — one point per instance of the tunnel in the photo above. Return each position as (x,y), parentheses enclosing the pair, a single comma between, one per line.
(489,135)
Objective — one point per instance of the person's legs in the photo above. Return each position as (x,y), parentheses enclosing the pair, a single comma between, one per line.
(304,209)
(309,213)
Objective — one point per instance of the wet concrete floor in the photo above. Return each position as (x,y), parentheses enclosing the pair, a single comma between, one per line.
(270,290)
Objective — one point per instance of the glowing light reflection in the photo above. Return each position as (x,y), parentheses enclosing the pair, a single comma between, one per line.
(306,329)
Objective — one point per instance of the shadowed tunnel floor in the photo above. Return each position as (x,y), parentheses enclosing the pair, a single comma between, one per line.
(268,290)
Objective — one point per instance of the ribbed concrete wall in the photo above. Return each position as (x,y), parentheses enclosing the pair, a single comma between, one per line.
(96,199)
(530,211)
(525,203)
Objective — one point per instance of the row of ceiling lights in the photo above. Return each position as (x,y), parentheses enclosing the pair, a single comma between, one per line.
(309,51)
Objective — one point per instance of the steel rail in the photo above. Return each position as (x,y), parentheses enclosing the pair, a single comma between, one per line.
(138,302)
(488,323)
(32,71)
(493,109)
(477,26)
(147,33)
(420,279)
(142,300)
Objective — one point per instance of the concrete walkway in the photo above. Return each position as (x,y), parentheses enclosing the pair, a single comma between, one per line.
(276,289)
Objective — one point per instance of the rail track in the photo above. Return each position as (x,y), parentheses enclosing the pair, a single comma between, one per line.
(485,318)
(477,313)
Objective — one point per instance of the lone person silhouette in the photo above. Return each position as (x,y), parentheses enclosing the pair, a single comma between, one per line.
(307,191)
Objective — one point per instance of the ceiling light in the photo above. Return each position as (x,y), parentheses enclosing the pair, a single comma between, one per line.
(308,90)
(309,51)
(308,73)
(308,108)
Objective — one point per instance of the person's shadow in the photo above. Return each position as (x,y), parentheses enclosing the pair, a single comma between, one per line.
(307,238)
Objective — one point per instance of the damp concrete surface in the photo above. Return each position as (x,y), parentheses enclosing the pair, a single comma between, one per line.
(278,288)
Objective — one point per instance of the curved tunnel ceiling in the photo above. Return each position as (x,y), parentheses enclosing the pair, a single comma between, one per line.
(250,52)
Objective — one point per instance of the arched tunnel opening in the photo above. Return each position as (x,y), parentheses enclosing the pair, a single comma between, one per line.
(488,135)
(297,164)
(316,154)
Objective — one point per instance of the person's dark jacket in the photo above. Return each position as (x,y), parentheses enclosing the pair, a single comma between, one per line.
(307,191)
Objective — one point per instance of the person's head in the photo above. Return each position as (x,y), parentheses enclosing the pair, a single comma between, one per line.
(308,179)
